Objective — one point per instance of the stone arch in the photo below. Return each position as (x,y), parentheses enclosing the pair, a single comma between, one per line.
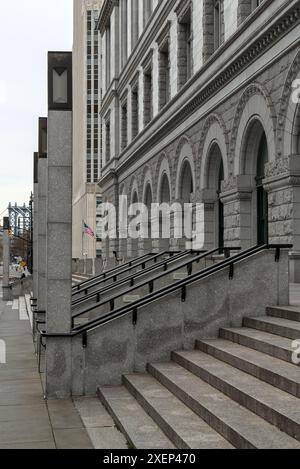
(163,172)
(163,165)
(134,189)
(184,161)
(255,105)
(147,182)
(288,124)
(214,135)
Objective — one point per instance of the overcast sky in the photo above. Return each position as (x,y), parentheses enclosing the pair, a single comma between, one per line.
(28,29)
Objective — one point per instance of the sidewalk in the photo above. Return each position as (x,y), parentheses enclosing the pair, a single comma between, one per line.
(27,421)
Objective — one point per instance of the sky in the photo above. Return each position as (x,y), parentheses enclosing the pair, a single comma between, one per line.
(28,29)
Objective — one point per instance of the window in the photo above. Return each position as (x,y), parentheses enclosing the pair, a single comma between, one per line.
(135,110)
(135,21)
(124,125)
(245,8)
(107,140)
(164,74)
(185,56)
(148,96)
(124,32)
(255,4)
(218,23)
(108,56)
(148,9)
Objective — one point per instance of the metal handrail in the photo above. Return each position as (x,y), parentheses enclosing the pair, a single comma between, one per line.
(131,278)
(188,264)
(111,274)
(151,297)
(104,274)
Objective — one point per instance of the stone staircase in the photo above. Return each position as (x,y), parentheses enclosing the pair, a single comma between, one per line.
(239,391)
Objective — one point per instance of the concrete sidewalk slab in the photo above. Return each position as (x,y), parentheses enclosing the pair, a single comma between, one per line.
(27,421)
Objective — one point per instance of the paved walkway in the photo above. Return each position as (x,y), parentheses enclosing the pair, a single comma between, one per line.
(26,419)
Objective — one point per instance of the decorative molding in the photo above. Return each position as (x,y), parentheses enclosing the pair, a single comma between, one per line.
(278,167)
(164,36)
(282,114)
(147,63)
(182,9)
(135,80)
(252,90)
(105,14)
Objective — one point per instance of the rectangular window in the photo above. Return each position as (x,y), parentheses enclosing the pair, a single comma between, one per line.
(185,56)
(164,74)
(218,23)
(135,110)
(148,96)
(135,21)
(107,141)
(124,32)
(124,125)
(148,9)
(108,56)
(255,4)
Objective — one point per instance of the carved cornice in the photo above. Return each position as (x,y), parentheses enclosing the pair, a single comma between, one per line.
(105,13)
(182,8)
(164,35)
(147,63)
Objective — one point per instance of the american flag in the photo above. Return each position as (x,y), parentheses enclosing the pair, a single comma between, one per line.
(88,231)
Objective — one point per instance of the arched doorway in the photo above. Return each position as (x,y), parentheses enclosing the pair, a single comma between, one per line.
(255,157)
(261,194)
(221,224)
(214,208)
(148,200)
(164,198)
(134,241)
(185,196)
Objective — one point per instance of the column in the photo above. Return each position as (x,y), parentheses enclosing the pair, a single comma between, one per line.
(283,186)
(236,196)
(35,226)
(42,233)
(59,225)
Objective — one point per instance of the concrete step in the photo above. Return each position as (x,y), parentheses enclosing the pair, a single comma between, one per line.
(273,405)
(242,428)
(275,346)
(291,313)
(140,430)
(182,426)
(277,326)
(285,376)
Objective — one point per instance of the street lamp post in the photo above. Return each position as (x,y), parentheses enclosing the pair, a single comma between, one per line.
(6,260)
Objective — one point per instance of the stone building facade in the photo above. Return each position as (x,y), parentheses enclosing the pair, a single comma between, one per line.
(200,104)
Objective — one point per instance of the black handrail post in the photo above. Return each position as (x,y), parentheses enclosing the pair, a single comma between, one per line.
(134,316)
(277,254)
(231,271)
(183,294)
(84,340)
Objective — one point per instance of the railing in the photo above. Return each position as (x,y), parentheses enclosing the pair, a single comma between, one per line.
(133,277)
(119,270)
(180,285)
